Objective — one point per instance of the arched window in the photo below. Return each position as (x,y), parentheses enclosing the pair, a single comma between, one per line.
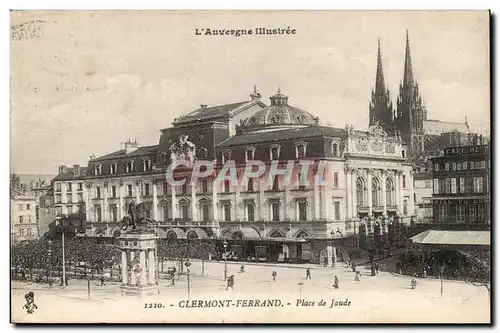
(335,149)
(375,192)
(389,189)
(360,191)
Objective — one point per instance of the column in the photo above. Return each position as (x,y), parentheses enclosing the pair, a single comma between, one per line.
(174,202)
(124,267)
(287,204)
(411,204)
(137,192)
(327,197)
(133,280)
(329,252)
(354,205)
(397,190)
(237,199)
(152,267)
(215,212)
(262,202)
(316,215)
(369,189)
(142,263)
(155,200)
(194,211)
(401,192)
(105,206)
(348,191)
(384,201)
(88,211)
(120,193)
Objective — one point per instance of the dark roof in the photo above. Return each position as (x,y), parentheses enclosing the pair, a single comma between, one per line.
(432,142)
(425,175)
(145,150)
(209,112)
(296,133)
(69,174)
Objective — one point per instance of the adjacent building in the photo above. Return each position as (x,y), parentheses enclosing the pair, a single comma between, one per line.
(23,216)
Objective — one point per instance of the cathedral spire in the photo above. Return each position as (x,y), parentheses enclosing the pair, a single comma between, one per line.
(408,72)
(379,80)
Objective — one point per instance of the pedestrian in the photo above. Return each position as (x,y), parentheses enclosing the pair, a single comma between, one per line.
(372,269)
(357,277)
(102,281)
(376,267)
(425,273)
(274,275)
(23,275)
(308,274)
(62,281)
(413,283)
(353,266)
(230,282)
(336,282)
(242,269)
(67,279)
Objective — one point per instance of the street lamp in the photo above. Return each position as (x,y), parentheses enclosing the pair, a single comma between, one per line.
(332,233)
(225,259)
(187,263)
(49,252)
(58,224)
(300,288)
(441,272)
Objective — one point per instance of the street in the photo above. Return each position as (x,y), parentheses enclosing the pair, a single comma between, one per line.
(382,298)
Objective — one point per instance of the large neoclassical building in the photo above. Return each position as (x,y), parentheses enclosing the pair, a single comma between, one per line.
(368,191)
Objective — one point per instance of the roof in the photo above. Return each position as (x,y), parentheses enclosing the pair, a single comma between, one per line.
(436,127)
(425,175)
(452,237)
(288,134)
(432,142)
(141,151)
(17,193)
(209,112)
(69,174)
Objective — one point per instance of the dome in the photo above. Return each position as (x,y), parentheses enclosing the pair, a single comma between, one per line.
(280,114)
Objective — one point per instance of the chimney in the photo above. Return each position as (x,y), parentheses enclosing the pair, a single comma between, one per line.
(63,168)
(203,106)
(76,170)
(130,146)
(255,96)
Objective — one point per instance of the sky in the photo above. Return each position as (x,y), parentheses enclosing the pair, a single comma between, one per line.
(91,80)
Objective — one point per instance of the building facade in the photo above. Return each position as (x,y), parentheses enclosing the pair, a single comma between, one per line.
(461,186)
(423,196)
(23,216)
(368,186)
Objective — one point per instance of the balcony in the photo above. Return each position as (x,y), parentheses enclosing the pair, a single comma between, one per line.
(363,209)
(392,208)
(378,209)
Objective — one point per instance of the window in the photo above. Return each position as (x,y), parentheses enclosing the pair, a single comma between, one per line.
(250,154)
(336,179)
(205,212)
(58,198)
(22,232)
(404,181)
(464,165)
(227,186)
(69,198)
(21,207)
(301,183)
(69,209)
(58,210)
(147,165)
(447,166)
(335,149)
(184,188)
(204,186)
(29,232)
(471,165)
(478,184)
(97,192)
(165,212)
(428,184)
(98,169)
(226,156)
(129,190)
(69,187)
(336,210)
(302,211)
(275,207)
(112,169)
(80,197)
(448,185)
(389,190)
(405,207)
(98,213)
(80,186)
(146,189)
(459,166)
(250,185)
(185,212)
(300,150)
(113,191)
(375,192)
(453,166)
(454,186)
(276,183)
(461,213)
(251,212)
(360,192)
(114,213)
(436,167)
(21,219)
(129,167)
(165,188)
(227,212)
(58,187)
(403,153)
(274,152)
(472,212)
(462,185)
(148,213)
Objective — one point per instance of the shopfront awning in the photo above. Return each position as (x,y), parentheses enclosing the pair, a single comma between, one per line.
(200,233)
(452,237)
(161,233)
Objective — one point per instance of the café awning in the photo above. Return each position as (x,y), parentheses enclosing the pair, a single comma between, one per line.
(452,237)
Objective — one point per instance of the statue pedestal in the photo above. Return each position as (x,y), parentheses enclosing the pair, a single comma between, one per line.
(138,263)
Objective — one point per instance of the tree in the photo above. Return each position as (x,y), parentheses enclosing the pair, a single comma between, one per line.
(479,270)
(202,250)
